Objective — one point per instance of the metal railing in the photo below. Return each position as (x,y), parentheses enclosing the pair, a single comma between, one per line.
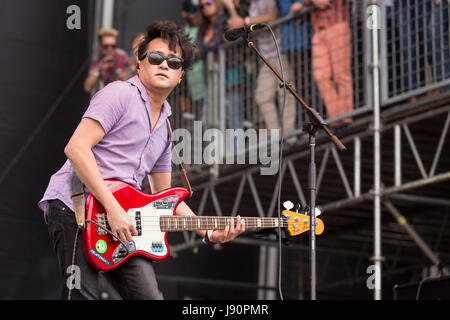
(240,91)
(415,49)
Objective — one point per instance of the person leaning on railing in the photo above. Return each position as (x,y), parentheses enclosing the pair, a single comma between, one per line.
(210,31)
(195,82)
(235,68)
(267,86)
(209,37)
(296,45)
(331,56)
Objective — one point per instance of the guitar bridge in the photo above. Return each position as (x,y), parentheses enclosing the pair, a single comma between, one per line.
(101,220)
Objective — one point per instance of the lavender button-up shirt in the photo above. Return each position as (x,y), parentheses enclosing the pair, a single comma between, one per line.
(129,150)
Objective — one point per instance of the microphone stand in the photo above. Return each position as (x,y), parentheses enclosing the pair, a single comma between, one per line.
(315,122)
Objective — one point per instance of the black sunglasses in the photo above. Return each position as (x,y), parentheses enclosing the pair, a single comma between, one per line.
(157,58)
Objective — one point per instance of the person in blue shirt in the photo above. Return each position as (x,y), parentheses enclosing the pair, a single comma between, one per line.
(296,45)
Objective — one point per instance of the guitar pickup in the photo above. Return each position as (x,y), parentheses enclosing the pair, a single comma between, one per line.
(137,217)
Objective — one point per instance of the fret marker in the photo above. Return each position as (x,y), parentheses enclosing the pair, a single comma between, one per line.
(184,222)
(258,223)
(276,222)
(215,223)
(198,222)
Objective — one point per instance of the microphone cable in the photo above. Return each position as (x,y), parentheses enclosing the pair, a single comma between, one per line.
(74,250)
(280,159)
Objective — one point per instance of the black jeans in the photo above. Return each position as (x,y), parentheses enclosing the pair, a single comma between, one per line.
(134,279)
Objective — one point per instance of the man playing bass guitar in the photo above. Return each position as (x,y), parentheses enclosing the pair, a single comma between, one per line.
(123,136)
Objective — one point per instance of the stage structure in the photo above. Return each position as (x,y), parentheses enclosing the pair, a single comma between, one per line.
(385,202)
(389,191)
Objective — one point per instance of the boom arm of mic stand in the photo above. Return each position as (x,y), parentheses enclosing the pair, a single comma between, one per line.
(313,114)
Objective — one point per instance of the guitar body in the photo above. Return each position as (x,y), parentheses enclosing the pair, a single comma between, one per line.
(104,253)
(154,216)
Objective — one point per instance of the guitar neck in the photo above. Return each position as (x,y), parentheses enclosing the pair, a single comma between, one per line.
(182,223)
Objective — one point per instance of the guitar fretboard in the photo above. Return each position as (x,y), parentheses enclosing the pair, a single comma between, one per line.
(182,223)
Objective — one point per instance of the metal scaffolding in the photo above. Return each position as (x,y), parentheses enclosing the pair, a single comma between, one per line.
(352,196)
(391,141)
(404,125)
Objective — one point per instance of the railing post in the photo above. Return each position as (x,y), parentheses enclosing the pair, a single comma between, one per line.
(373,7)
(210,89)
(383,53)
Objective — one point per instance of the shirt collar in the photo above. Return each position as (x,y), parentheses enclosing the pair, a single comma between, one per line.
(166,110)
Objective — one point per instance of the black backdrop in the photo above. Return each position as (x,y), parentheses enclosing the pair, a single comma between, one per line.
(40,60)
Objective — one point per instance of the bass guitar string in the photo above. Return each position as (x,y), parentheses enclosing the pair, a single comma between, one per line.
(190,225)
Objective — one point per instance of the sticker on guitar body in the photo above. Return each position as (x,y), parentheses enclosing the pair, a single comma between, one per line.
(99,256)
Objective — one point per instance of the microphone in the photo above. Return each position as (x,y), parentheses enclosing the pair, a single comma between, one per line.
(234,34)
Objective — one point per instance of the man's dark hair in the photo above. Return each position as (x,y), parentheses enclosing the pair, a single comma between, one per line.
(169,30)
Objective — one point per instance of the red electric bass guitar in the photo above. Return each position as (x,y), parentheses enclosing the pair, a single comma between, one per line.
(154,217)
